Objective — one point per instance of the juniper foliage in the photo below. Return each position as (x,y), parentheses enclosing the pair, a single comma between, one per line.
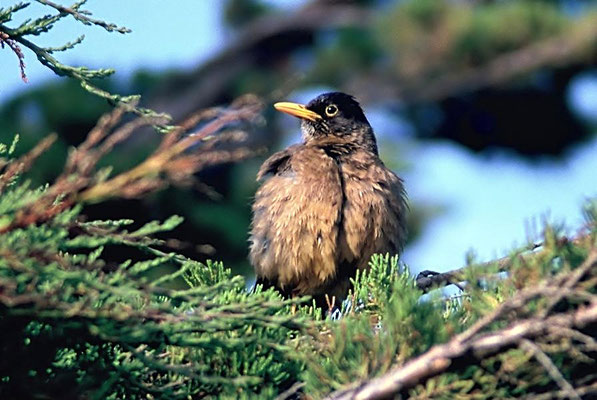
(77,324)
(22,36)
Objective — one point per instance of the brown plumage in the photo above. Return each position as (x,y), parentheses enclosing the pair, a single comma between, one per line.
(325,205)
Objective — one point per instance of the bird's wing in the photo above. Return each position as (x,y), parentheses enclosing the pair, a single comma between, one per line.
(277,163)
(374,211)
(296,217)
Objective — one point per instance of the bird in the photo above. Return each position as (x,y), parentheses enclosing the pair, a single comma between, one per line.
(325,205)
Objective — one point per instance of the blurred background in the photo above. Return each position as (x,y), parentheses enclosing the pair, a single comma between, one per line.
(487,109)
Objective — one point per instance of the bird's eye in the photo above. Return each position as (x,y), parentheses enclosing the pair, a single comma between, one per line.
(331,110)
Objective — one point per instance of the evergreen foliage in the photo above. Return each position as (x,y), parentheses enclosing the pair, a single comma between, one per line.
(18,36)
(71,319)
(76,324)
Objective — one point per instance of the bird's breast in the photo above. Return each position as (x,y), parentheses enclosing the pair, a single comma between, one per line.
(373,214)
(323,217)
(296,219)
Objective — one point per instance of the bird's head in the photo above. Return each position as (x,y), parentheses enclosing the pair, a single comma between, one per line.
(332,116)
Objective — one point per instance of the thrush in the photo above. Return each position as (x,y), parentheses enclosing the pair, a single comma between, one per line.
(325,205)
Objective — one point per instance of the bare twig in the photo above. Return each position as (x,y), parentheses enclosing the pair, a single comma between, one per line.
(560,395)
(570,281)
(439,358)
(291,391)
(551,369)
(589,343)
(475,344)
(428,280)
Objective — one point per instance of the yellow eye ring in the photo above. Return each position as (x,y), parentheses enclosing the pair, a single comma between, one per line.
(331,110)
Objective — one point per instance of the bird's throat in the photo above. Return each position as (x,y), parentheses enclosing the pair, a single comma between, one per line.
(338,146)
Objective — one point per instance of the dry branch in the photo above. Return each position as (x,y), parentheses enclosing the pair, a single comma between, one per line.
(584,390)
(23,163)
(428,280)
(180,155)
(475,344)
(210,82)
(551,369)
(440,358)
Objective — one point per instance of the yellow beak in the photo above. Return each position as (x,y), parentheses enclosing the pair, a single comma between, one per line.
(298,110)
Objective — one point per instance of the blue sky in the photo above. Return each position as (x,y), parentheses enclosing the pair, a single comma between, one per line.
(497,203)
(490,200)
(176,34)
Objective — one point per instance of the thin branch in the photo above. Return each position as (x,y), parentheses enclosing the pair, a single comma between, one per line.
(474,344)
(561,395)
(82,16)
(440,358)
(522,298)
(6,39)
(589,343)
(85,76)
(428,280)
(174,158)
(23,163)
(291,391)
(550,367)
(66,46)
(571,280)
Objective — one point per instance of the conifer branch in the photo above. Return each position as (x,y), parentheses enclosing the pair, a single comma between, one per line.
(83,16)
(474,344)
(12,44)
(15,167)
(17,37)
(428,280)
(183,152)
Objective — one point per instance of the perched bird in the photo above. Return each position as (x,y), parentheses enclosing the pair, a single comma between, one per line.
(325,205)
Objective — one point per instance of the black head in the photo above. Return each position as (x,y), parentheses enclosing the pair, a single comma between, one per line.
(332,114)
(338,109)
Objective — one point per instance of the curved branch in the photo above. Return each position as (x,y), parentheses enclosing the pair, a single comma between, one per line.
(209,83)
